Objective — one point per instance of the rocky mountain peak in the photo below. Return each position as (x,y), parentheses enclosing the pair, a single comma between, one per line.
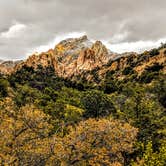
(7,66)
(75,56)
(69,57)
(99,48)
(72,56)
(72,46)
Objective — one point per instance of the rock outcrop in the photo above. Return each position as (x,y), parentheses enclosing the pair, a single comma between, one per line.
(6,67)
(71,57)
(75,57)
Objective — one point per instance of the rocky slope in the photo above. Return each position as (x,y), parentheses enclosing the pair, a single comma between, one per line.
(79,57)
(130,66)
(7,67)
(71,57)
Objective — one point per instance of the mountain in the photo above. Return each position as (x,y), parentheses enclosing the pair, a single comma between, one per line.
(79,58)
(8,66)
(131,64)
(81,104)
(71,57)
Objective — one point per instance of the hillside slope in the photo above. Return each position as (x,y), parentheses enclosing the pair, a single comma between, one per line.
(80,104)
(81,59)
(71,57)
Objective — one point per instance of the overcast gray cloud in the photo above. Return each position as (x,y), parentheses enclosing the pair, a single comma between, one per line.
(29,25)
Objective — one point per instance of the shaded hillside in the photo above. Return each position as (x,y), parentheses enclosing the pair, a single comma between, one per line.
(71,57)
(130,66)
(80,59)
(7,67)
(80,104)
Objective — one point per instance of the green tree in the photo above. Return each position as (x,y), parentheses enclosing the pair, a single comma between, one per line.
(97,104)
(4,85)
(151,158)
(25,95)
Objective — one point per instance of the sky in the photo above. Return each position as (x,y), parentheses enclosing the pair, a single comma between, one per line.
(28,26)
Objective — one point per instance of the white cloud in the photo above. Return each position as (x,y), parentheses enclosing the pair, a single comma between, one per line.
(137,46)
(14,31)
(57,39)
(118,47)
(119,37)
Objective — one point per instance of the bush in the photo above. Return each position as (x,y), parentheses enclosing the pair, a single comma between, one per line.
(155,67)
(4,84)
(127,71)
(163,45)
(147,77)
(109,74)
(154,52)
(97,104)
(110,87)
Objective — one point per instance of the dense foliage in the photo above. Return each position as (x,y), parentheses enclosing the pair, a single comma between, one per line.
(47,120)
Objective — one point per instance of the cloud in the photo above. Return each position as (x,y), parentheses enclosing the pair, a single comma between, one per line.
(117,38)
(14,31)
(138,46)
(116,21)
(57,39)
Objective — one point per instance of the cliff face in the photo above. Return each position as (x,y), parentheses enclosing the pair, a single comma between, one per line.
(128,64)
(139,62)
(75,57)
(7,67)
(71,57)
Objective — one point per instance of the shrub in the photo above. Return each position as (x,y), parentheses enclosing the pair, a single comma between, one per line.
(147,77)
(3,87)
(110,87)
(97,104)
(127,71)
(155,67)
(154,52)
